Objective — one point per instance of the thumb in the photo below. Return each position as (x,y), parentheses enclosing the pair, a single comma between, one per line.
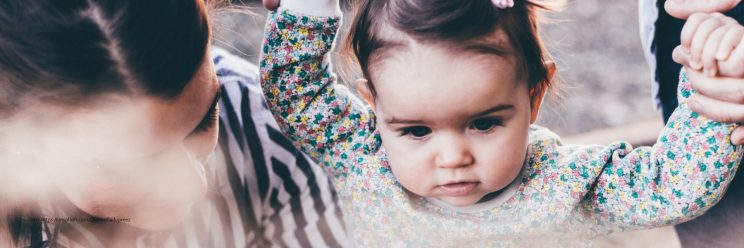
(737,136)
(681,55)
(271,4)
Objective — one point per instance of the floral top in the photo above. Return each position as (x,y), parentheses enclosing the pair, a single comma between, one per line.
(564,194)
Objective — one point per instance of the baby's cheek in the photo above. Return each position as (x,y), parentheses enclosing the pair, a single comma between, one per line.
(408,162)
(409,172)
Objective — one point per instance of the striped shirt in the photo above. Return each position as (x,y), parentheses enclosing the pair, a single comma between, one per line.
(263,191)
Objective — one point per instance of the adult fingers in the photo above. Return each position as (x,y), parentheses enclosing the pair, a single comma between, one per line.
(724,89)
(682,9)
(716,110)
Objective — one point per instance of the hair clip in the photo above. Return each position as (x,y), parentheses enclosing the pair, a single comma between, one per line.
(503,4)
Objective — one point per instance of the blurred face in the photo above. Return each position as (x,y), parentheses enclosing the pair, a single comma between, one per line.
(454,124)
(140,158)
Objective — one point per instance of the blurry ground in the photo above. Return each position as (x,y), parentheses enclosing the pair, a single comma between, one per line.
(605,81)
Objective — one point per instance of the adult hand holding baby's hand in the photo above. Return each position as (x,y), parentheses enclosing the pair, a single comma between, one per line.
(719,98)
(712,55)
(710,42)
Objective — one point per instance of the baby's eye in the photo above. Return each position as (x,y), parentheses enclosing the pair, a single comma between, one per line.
(485,124)
(416,131)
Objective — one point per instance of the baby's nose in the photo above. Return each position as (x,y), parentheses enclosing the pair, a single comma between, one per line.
(455,155)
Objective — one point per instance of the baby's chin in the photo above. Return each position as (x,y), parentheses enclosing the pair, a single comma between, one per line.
(461,201)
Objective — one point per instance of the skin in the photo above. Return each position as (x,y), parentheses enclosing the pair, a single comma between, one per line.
(682,9)
(711,41)
(136,157)
(469,142)
(454,124)
(713,59)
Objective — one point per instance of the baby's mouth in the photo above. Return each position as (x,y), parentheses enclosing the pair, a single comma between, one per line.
(458,188)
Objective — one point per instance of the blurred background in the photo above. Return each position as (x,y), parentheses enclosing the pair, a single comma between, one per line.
(605,83)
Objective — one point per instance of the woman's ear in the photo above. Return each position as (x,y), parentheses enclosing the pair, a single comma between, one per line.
(537,94)
(362,86)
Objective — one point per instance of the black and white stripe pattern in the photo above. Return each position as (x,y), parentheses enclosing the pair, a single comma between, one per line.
(263,192)
(288,200)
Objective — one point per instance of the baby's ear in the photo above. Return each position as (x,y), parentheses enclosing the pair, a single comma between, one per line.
(537,94)
(365,92)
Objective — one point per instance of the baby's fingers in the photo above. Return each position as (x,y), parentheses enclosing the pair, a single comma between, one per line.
(700,37)
(737,136)
(681,55)
(710,49)
(733,65)
(729,41)
(690,27)
(271,4)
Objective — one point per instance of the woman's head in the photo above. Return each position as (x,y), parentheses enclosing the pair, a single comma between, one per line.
(113,98)
(455,86)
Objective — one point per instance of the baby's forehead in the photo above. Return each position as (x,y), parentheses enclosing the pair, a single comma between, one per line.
(428,73)
(388,33)
(424,58)
(391,43)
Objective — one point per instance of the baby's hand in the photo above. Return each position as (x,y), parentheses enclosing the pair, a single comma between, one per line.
(684,8)
(308,7)
(271,4)
(710,43)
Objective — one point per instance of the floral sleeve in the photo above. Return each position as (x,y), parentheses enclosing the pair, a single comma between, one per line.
(679,178)
(321,117)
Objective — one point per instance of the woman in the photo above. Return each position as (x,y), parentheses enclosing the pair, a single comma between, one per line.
(110,114)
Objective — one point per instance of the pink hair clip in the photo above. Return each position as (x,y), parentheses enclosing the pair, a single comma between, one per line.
(503,4)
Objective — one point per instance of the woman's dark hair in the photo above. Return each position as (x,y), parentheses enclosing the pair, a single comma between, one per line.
(465,24)
(72,51)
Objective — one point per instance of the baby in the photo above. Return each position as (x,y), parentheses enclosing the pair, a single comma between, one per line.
(445,153)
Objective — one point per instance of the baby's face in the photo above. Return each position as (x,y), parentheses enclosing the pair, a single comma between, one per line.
(454,124)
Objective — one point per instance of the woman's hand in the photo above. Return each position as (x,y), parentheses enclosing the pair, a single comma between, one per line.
(682,9)
(719,98)
(711,53)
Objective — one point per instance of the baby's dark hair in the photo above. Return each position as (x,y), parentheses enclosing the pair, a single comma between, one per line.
(71,51)
(465,24)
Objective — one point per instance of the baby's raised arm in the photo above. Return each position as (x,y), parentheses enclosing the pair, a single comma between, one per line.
(321,117)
